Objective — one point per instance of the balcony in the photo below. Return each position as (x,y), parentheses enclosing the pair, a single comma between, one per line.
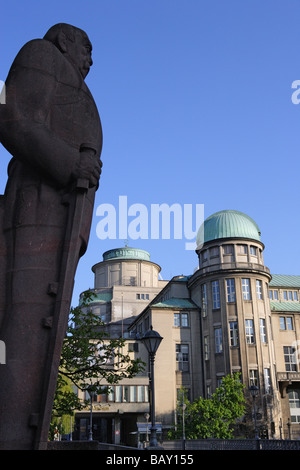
(288,377)
(285,379)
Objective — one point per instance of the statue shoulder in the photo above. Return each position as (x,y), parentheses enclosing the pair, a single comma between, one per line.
(39,54)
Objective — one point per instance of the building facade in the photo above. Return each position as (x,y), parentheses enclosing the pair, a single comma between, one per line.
(230,315)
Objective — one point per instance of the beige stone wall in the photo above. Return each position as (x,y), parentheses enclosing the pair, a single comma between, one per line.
(134,284)
(116,272)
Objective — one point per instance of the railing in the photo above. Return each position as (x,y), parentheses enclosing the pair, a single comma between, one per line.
(232,444)
(288,376)
(195,444)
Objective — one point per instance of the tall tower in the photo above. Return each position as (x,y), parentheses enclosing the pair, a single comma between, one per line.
(125,282)
(231,286)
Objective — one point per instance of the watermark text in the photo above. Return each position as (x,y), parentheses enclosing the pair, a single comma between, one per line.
(160,221)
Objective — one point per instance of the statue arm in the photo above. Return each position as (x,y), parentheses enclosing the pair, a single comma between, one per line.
(40,149)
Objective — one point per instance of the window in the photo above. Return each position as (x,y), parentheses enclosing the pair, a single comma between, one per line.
(230,286)
(253,377)
(133,347)
(214,252)
(249,331)
(290,295)
(218,340)
(204,300)
(233,332)
(267,378)
(206,348)
(286,323)
(273,294)
(132,394)
(128,393)
(142,393)
(243,249)
(294,401)
(181,319)
(142,296)
(263,332)
(253,250)
(216,294)
(182,357)
(111,395)
(228,249)
(246,289)
(289,358)
(184,319)
(259,289)
(118,393)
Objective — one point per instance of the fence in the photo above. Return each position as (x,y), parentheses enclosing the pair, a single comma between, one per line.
(232,444)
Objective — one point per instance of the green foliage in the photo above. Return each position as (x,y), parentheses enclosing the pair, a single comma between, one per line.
(88,358)
(212,417)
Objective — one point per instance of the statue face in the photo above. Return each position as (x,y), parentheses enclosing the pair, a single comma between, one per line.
(80,53)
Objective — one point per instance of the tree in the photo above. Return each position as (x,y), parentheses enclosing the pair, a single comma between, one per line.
(89,358)
(213,417)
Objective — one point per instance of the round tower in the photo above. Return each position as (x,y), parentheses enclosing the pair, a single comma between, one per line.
(231,287)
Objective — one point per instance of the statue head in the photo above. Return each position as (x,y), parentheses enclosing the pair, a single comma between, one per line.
(74,44)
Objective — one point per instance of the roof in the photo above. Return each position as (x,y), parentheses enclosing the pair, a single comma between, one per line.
(175,303)
(126,253)
(98,298)
(181,278)
(277,306)
(228,224)
(285,280)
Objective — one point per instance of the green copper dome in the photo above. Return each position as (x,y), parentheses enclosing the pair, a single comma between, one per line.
(126,253)
(227,224)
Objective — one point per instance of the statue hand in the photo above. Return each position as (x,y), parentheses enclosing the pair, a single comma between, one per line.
(88,167)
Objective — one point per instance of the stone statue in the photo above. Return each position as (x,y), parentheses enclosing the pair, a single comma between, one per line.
(51,127)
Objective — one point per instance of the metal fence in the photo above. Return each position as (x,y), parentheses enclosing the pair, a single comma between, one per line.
(232,444)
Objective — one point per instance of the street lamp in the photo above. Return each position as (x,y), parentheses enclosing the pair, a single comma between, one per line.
(152,340)
(254,392)
(91,393)
(147,416)
(183,406)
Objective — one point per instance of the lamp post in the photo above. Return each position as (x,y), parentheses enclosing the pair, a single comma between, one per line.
(183,406)
(152,340)
(289,428)
(91,393)
(147,416)
(254,392)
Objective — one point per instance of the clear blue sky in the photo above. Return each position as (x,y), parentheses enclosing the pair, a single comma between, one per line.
(195,102)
